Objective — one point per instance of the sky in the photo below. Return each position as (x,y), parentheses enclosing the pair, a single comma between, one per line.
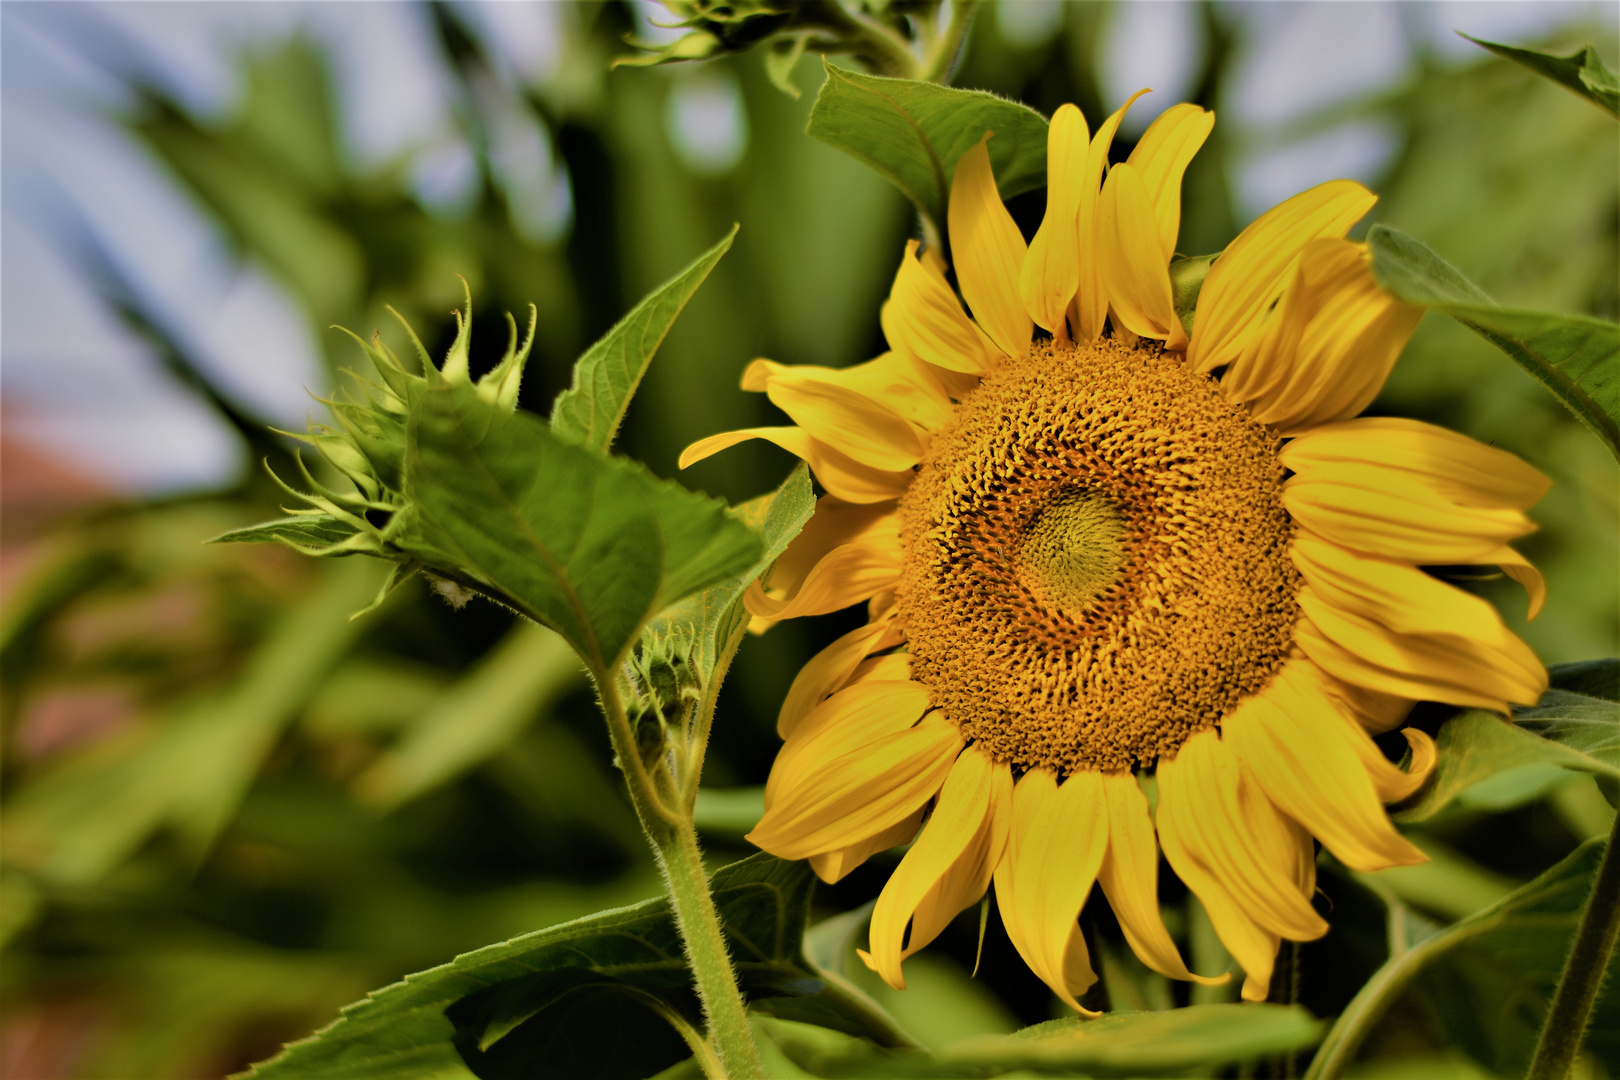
(76,192)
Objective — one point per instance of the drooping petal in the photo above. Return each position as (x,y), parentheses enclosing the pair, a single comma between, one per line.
(1396,515)
(1518,568)
(1129,876)
(1218,816)
(1252,866)
(1161,157)
(1396,595)
(845,722)
(840,474)
(988,251)
(1254,269)
(1135,275)
(847,553)
(1090,308)
(1296,745)
(954,850)
(859,794)
(1433,667)
(1051,271)
(1059,835)
(828,670)
(923,318)
(1326,353)
(849,421)
(833,866)
(1460,469)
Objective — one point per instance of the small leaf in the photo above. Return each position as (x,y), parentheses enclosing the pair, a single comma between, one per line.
(1576,357)
(517,995)
(781,57)
(589,545)
(1486,979)
(303,532)
(607,375)
(716,615)
(914,132)
(1581,72)
(1565,729)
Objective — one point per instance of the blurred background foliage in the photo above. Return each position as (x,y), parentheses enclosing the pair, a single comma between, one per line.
(228,811)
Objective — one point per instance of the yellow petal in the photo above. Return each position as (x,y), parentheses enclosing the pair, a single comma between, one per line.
(1453,466)
(1422,667)
(1134,273)
(923,318)
(860,794)
(1129,876)
(1327,352)
(959,837)
(847,553)
(845,722)
(1161,157)
(840,474)
(1056,846)
(1252,272)
(832,866)
(828,670)
(1051,272)
(1090,308)
(1296,745)
(1374,714)
(1394,514)
(988,251)
(1518,568)
(1396,595)
(1221,819)
(849,421)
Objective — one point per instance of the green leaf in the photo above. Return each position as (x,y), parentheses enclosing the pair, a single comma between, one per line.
(1565,729)
(716,616)
(781,57)
(1581,72)
(589,545)
(302,532)
(1487,978)
(505,1004)
(607,375)
(914,132)
(1206,1037)
(476,718)
(1187,274)
(731,811)
(1576,357)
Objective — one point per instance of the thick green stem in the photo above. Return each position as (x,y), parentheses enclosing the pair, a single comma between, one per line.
(1589,955)
(706,951)
(674,839)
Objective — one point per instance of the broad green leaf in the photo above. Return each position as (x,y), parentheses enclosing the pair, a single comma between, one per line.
(1487,978)
(1582,72)
(1206,1037)
(607,375)
(477,717)
(78,822)
(914,132)
(1564,730)
(1576,357)
(589,545)
(716,615)
(531,995)
(303,531)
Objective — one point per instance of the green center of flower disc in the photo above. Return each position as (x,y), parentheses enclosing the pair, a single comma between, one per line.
(1074,551)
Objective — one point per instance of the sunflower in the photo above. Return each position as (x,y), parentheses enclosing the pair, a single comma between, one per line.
(1133,586)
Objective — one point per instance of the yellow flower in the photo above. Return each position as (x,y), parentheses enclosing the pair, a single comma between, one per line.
(1093,557)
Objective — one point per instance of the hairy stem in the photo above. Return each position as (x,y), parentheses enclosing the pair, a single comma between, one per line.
(1578,989)
(940,64)
(674,839)
(706,951)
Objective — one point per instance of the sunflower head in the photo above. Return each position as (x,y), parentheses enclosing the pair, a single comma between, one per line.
(1115,516)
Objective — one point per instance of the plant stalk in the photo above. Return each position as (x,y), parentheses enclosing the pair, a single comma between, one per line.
(699,924)
(942,57)
(1578,988)
(674,840)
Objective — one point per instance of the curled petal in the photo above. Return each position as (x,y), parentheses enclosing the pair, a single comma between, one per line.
(923,318)
(988,251)
(839,473)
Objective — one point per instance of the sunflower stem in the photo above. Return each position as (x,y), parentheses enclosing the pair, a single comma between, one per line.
(666,818)
(942,58)
(1578,988)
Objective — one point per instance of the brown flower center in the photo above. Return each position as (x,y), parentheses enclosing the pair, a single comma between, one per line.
(1096,558)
